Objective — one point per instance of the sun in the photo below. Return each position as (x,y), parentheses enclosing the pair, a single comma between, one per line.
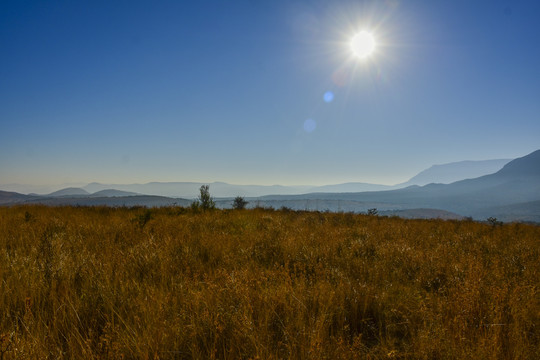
(363,44)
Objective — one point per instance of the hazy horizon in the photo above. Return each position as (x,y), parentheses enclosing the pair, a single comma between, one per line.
(263,93)
(81,182)
(437,173)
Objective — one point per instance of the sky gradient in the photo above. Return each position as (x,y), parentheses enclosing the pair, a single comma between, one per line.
(253,92)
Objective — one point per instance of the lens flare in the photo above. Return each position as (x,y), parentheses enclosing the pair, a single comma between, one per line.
(328,97)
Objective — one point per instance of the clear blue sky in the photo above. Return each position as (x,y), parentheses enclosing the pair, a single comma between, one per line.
(138,91)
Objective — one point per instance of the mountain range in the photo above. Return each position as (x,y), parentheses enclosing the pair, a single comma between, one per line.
(444,174)
(515,187)
(451,172)
(510,193)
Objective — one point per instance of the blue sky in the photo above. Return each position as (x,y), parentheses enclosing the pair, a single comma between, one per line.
(234,91)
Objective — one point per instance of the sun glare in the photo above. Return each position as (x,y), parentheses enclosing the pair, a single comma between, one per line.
(363,44)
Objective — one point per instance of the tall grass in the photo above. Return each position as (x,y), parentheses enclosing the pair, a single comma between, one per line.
(170,283)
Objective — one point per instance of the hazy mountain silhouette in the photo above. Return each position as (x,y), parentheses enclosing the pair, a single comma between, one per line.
(456,171)
(113,193)
(517,182)
(351,187)
(37,189)
(527,212)
(525,166)
(445,173)
(139,200)
(70,191)
(191,189)
(436,174)
(9,197)
(511,193)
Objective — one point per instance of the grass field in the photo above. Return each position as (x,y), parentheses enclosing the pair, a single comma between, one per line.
(171,283)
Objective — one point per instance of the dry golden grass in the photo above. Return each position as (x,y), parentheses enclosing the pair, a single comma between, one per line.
(103,283)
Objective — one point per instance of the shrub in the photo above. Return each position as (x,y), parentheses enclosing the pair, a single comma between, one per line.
(493,221)
(373,212)
(205,201)
(239,203)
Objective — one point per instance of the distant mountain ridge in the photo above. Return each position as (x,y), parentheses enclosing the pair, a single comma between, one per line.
(455,171)
(511,193)
(9,197)
(191,189)
(516,184)
(71,191)
(352,187)
(113,193)
(525,166)
(445,173)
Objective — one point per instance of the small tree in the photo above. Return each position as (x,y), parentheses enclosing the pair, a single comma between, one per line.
(205,201)
(373,212)
(493,221)
(239,203)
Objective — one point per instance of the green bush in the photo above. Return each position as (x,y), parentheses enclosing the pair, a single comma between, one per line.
(239,203)
(205,201)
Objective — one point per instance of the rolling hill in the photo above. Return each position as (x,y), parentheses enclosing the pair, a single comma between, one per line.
(113,193)
(9,197)
(70,191)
